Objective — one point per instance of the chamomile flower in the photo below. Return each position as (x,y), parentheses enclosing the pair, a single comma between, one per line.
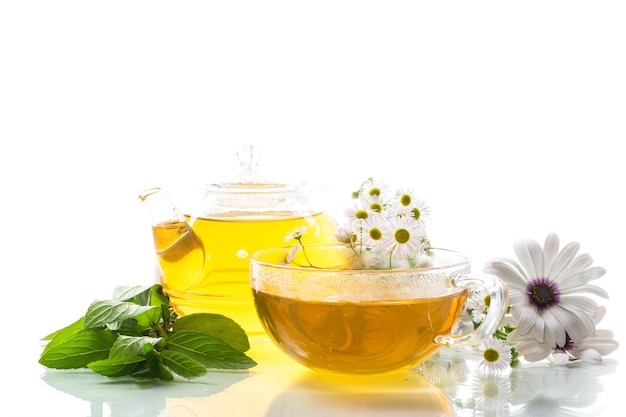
(376,232)
(493,354)
(406,239)
(544,291)
(408,204)
(372,203)
(296,233)
(375,188)
(356,214)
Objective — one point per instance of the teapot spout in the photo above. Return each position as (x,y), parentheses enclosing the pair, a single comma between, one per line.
(161,207)
(179,250)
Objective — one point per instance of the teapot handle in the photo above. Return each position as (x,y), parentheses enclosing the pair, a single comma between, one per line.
(498,305)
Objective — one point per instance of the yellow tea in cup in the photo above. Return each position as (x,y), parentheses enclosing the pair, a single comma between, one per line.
(366,321)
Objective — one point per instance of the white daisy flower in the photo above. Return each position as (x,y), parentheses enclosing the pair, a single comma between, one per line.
(493,354)
(544,290)
(408,204)
(591,349)
(372,203)
(376,232)
(405,197)
(376,188)
(406,239)
(356,214)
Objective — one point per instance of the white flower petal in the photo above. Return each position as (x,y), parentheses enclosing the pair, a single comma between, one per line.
(562,260)
(585,304)
(577,324)
(508,271)
(581,277)
(590,355)
(560,357)
(527,319)
(517,297)
(554,333)
(530,256)
(592,289)
(550,250)
(602,342)
(534,353)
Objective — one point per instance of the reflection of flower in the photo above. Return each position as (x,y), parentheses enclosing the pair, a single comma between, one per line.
(447,369)
(491,393)
(554,391)
(529,391)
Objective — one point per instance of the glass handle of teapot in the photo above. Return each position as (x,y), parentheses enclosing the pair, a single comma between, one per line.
(498,305)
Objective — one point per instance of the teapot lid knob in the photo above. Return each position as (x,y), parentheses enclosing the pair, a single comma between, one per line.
(249,163)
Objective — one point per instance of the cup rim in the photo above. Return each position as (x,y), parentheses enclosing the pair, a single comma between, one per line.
(463,259)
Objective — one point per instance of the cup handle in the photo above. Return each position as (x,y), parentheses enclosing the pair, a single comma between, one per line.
(498,305)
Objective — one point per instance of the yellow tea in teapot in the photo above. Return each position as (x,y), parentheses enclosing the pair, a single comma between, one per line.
(359,337)
(212,274)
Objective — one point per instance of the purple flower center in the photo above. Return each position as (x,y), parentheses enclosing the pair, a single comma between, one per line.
(543,293)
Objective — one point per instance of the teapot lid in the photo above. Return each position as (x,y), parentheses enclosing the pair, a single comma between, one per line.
(249,195)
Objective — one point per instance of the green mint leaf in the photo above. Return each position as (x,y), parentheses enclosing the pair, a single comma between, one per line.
(131,346)
(113,313)
(66,331)
(152,369)
(143,295)
(208,350)
(117,367)
(215,325)
(139,294)
(182,364)
(79,349)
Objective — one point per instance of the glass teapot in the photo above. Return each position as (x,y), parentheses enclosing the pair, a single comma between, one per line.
(203,251)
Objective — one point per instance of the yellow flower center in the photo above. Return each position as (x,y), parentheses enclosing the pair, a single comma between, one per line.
(491,355)
(402,236)
(375,191)
(376,207)
(376,234)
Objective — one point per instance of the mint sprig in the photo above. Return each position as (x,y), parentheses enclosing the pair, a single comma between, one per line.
(138,334)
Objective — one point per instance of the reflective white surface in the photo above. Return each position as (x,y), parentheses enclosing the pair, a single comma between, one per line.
(449,384)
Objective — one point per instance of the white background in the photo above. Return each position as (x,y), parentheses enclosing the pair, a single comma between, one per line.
(507,117)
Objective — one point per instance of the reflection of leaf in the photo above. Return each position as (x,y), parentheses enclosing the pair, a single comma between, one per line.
(126,397)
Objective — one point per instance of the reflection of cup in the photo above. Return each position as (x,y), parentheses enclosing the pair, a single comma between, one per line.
(331,318)
(395,395)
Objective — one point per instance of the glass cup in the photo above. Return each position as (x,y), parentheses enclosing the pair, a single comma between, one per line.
(331,318)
